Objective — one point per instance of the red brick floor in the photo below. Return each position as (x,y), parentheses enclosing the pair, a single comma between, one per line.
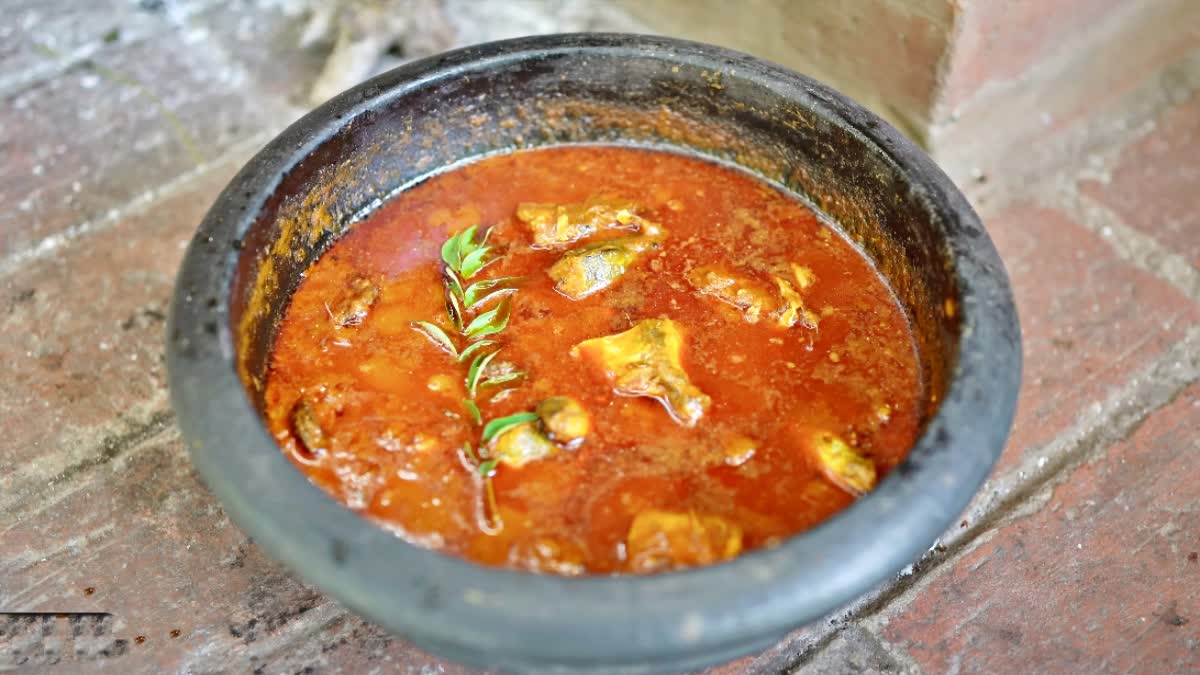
(1081,554)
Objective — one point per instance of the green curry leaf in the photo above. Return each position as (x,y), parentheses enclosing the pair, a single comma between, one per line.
(501,379)
(474,261)
(453,284)
(492,321)
(454,310)
(477,292)
(436,335)
(473,411)
(476,370)
(500,425)
(487,468)
(452,251)
(473,348)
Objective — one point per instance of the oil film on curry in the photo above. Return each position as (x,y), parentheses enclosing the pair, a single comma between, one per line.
(594,360)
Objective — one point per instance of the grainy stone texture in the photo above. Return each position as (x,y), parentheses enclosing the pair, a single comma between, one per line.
(1155,185)
(139,115)
(83,337)
(40,37)
(1104,321)
(1034,68)
(1104,573)
(1071,124)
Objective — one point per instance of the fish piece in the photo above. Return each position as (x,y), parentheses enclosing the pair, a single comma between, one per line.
(307,429)
(597,266)
(351,308)
(842,465)
(804,276)
(522,444)
(645,361)
(739,450)
(793,310)
(663,540)
(753,298)
(564,419)
(553,225)
(742,292)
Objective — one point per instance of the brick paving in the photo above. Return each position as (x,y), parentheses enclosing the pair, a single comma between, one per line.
(1081,553)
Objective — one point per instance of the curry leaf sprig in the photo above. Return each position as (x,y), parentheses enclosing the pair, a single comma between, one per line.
(464,257)
(473,322)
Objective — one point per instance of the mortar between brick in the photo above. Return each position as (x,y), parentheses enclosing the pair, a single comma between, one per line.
(299,628)
(46,486)
(1142,250)
(55,64)
(1018,168)
(862,642)
(47,246)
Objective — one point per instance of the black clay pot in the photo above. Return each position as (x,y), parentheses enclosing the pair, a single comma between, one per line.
(322,174)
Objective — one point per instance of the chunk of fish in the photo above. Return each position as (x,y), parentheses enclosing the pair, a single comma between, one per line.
(564,419)
(597,266)
(553,225)
(792,310)
(522,444)
(740,291)
(351,308)
(663,540)
(842,465)
(645,361)
(307,429)
(754,299)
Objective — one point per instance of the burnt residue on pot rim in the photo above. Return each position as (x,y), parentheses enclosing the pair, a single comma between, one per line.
(325,171)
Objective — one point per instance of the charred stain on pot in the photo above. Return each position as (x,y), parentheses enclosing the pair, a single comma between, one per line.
(338,551)
(431,598)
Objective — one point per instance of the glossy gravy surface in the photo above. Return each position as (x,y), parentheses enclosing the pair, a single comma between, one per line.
(386,401)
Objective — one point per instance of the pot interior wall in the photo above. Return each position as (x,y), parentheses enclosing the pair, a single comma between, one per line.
(814,147)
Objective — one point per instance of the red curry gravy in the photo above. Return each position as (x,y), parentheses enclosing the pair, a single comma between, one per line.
(749,372)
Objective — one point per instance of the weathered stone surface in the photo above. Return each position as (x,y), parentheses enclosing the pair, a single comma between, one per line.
(139,538)
(81,334)
(117,125)
(994,91)
(264,40)
(1103,578)
(40,37)
(102,512)
(1156,183)
(1001,42)
(856,650)
(1089,320)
